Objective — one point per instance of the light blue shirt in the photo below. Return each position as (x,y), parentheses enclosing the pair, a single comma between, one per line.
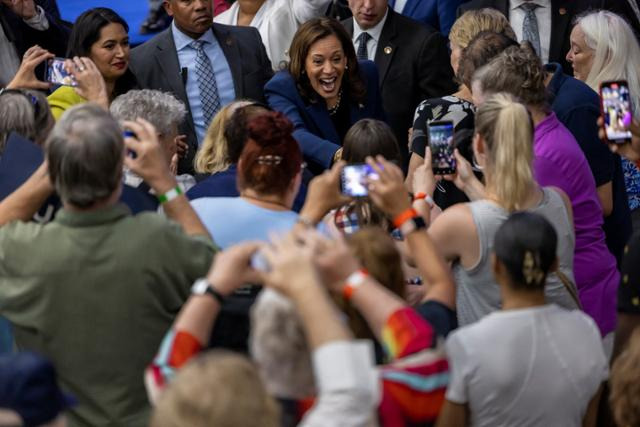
(221,69)
(232,220)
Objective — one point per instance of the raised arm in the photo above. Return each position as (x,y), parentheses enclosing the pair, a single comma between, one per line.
(192,328)
(23,203)
(344,371)
(389,194)
(150,164)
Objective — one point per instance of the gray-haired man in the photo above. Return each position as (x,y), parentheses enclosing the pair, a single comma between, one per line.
(96,289)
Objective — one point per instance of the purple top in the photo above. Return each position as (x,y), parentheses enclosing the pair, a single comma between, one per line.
(560,162)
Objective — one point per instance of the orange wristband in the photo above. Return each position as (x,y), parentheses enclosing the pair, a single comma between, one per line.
(354,280)
(403,217)
(424,196)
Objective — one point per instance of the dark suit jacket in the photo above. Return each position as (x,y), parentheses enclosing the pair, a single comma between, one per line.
(156,66)
(23,36)
(314,129)
(414,65)
(624,9)
(562,14)
(440,14)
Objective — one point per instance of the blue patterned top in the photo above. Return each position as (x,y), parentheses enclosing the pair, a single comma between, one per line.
(632,183)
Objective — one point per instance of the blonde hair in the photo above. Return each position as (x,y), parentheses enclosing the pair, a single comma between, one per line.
(213,155)
(218,388)
(625,384)
(507,131)
(616,53)
(473,22)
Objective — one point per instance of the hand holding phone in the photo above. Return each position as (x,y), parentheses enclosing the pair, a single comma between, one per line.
(615,103)
(354,180)
(443,161)
(57,74)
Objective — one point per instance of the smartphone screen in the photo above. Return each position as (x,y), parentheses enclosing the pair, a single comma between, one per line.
(57,75)
(353,180)
(616,110)
(441,144)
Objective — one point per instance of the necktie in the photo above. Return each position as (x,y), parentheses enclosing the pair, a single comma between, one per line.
(362,53)
(530,25)
(209,96)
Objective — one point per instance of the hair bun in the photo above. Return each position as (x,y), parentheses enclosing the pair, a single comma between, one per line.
(270,129)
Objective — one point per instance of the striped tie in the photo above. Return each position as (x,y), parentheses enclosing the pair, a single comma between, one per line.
(209,96)
(530,26)
(362,53)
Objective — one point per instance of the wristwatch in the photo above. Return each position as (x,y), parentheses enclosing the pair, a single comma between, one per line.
(203,287)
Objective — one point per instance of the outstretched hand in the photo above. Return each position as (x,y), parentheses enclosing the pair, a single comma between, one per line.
(388,191)
(146,156)
(25,9)
(630,149)
(424,181)
(91,84)
(26,78)
(291,261)
(231,268)
(324,194)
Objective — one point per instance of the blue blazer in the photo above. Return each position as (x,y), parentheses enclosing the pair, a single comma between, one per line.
(440,14)
(314,129)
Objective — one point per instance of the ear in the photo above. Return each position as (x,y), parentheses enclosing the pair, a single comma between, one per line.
(479,149)
(167,7)
(496,265)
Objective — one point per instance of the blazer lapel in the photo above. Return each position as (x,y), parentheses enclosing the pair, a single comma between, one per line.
(560,20)
(320,117)
(232,53)
(167,59)
(386,48)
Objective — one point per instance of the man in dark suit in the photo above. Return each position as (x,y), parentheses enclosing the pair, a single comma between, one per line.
(412,59)
(553,18)
(25,23)
(205,65)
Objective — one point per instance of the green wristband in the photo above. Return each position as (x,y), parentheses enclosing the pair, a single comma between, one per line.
(170,195)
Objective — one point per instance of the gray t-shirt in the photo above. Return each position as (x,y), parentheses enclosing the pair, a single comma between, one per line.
(529,367)
(477,292)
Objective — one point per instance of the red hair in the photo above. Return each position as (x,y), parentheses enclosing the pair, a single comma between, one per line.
(271,158)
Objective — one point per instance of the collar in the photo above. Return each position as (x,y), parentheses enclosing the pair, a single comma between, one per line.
(182,40)
(374,32)
(558,77)
(515,4)
(88,219)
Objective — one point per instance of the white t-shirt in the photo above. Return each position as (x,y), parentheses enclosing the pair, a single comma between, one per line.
(530,367)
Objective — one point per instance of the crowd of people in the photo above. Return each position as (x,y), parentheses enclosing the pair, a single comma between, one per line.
(178,245)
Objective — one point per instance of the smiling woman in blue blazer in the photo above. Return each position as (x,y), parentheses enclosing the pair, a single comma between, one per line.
(324,90)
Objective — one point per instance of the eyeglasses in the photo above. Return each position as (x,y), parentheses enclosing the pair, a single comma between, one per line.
(32,98)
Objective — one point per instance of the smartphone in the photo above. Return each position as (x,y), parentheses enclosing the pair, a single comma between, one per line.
(353,180)
(441,143)
(56,74)
(615,102)
(130,134)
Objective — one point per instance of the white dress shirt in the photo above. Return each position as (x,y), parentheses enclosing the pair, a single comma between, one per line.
(399,6)
(9,59)
(543,15)
(374,32)
(277,21)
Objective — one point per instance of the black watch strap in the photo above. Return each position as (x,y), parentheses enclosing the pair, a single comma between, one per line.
(217,295)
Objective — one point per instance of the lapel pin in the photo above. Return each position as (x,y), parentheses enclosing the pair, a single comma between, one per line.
(229,41)
(388,50)
(563,11)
